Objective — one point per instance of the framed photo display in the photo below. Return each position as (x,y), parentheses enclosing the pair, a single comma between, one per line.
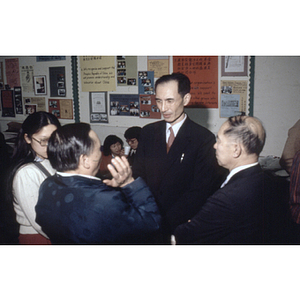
(40,86)
(98,107)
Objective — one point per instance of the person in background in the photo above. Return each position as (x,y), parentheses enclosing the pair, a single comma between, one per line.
(9,228)
(132,135)
(244,210)
(29,168)
(75,207)
(295,189)
(112,147)
(176,157)
(291,147)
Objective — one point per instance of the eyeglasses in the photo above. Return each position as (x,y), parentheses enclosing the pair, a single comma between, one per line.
(131,141)
(43,143)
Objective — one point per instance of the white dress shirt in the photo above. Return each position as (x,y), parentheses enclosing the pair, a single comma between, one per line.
(175,128)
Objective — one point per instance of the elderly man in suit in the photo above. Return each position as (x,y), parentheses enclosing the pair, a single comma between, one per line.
(245,209)
(176,157)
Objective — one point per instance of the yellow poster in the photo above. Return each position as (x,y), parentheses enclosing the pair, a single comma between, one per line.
(234,98)
(160,65)
(97,73)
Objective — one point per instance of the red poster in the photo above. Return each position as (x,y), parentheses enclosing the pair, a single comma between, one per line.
(12,72)
(203,74)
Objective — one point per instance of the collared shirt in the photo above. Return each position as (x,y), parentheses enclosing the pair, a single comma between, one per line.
(236,170)
(175,128)
(72,174)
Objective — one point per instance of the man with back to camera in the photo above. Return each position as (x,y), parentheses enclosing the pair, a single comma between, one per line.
(75,207)
(245,209)
(181,176)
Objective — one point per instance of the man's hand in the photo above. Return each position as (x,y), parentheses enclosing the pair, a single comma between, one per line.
(122,174)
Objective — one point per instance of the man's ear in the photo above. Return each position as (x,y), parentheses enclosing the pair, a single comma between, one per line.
(27,139)
(84,161)
(237,150)
(186,99)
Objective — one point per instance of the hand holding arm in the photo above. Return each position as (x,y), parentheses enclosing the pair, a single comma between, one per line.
(122,174)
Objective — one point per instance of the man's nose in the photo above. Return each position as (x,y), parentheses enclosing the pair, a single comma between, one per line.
(163,106)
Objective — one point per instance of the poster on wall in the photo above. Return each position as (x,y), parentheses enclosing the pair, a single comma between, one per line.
(27,78)
(146,82)
(126,70)
(18,100)
(97,73)
(233,98)
(98,107)
(38,102)
(159,65)
(61,108)
(234,66)
(12,72)
(203,74)
(148,107)
(7,103)
(124,105)
(57,82)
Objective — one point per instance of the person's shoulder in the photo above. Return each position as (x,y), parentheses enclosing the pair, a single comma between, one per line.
(152,126)
(27,168)
(198,129)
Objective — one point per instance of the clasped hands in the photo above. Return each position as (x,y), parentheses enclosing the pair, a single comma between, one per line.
(120,171)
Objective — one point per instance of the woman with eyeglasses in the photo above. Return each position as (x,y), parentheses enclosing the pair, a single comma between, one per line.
(29,169)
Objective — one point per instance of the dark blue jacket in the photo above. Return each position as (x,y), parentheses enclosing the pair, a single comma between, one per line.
(80,210)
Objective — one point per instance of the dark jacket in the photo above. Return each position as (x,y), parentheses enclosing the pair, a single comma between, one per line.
(80,210)
(244,211)
(183,179)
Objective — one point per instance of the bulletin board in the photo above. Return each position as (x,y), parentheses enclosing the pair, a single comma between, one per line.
(222,89)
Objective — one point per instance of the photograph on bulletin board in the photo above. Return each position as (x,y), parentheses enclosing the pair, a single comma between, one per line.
(203,74)
(126,70)
(124,105)
(148,107)
(61,108)
(146,82)
(39,102)
(57,82)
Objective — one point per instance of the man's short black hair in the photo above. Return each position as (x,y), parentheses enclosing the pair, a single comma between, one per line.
(67,144)
(133,133)
(184,84)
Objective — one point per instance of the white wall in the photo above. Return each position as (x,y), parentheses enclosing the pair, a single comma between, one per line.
(277,98)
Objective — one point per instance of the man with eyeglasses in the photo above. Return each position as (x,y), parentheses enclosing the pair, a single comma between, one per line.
(132,135)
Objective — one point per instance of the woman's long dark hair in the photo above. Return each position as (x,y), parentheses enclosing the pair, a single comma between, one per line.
(23,153)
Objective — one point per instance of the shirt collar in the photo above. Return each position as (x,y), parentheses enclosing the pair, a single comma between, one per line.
(63,174)
(176,126)
(236,170)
